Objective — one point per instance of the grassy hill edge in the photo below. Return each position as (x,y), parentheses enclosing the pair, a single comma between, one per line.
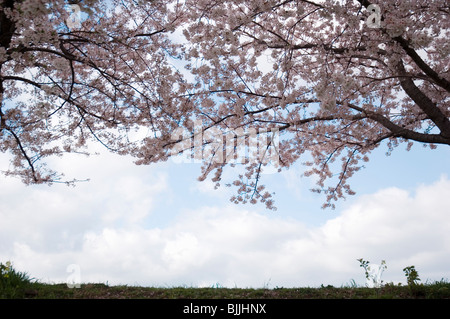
(18,285)
(437,290)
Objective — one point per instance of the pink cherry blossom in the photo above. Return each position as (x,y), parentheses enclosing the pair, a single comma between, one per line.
(332,79)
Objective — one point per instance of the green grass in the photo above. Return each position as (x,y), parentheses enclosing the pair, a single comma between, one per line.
(18,285)
(437,290)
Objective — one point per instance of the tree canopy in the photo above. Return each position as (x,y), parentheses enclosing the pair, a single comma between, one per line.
(324,81)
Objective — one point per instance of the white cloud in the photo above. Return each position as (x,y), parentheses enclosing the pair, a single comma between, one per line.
(106,226)
(56,218)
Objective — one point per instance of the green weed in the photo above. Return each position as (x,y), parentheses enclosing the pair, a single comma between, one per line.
(13,284)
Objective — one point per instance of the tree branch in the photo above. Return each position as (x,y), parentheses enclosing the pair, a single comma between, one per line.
(402,131)
(424,102)
(24,154)
(422,65)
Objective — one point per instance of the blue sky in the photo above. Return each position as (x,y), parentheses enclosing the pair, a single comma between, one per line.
(158,226)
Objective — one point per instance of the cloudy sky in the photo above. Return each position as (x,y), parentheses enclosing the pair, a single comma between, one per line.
(158,226)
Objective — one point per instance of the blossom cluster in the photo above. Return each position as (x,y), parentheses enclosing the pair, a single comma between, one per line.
(331,84)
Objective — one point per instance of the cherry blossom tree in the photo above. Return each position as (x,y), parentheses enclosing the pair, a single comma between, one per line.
(333,80)
(75,71)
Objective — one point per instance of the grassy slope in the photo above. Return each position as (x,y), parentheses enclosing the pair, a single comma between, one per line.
(436,290)
(18,285)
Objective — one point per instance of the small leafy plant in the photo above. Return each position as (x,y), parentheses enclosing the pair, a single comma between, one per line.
(373,273)
(412,276)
